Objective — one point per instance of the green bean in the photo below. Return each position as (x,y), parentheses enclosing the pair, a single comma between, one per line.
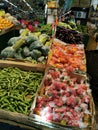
(15,85)
(4,105)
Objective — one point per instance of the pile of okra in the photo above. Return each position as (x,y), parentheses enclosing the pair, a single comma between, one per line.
(18,89)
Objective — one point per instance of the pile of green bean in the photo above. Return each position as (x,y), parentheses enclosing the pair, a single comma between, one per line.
(18,89)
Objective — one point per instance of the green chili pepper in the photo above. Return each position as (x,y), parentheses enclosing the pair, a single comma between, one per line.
(15,85)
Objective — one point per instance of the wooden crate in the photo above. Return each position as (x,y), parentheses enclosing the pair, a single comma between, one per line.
(24,121)
(54,125)
(22,65)
(15,118)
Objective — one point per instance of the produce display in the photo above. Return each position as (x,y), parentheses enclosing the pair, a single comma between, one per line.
(69,36)
(4,24)
(47,28)
(28,46)
(63,99)
(7,21)
(70,25)
(83,29)
(9,51)
(11,18)
(62,96)
(69,56)
(2,13)
(18,89)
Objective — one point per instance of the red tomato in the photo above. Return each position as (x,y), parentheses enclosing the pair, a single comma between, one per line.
(50,98)
(59,85)
(59,110)
(59,103)
(80,91)
(56,117)
(73,80)
(39,99)
(68,94)
(86,98)
(54,74)
(69,68)
(48,81)
(41,104)
(73,92)
(49,116)
(71,101)
(83,86)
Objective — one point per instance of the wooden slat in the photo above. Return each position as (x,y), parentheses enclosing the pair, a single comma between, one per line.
(22,65)
(16,119)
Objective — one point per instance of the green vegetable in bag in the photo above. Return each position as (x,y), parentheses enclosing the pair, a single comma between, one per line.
(8,52)
(43,38)
(40,59)
(31,39)
(36,54)
(13,40)
(26,51)
(37,34)
(45,50)
(35,45)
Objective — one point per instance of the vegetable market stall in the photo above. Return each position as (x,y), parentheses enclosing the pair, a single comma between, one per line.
(9,26)
(64,81)
(28,46)
(23,119)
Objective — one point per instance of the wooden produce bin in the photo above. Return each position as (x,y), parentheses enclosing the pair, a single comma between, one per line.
(51,89)
(35,116)
(15,118)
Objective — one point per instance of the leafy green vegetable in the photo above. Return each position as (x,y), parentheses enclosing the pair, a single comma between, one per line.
(26,51)
(29,58)
(31,39)
(13,40)
(24,32)
(35,45)
(46,29)
(45,50)
(72,24)
(48,43)
(43,38)
(40,59)
(18,55)
(36,54)
(8,52)
(61,24)
(37,34)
